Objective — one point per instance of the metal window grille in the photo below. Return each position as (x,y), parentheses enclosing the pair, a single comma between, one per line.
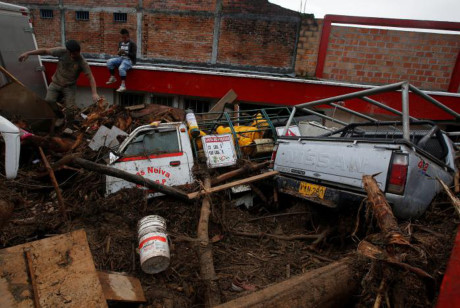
(46,14)
(82,15)
(162,100)
(197,105)
(120,17)
(130,99)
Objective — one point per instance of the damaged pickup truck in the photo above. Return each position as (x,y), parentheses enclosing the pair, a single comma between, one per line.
(328,169)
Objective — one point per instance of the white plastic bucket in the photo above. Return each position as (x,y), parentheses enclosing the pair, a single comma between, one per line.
(153,244)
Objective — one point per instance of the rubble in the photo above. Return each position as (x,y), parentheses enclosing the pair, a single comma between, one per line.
(220,254)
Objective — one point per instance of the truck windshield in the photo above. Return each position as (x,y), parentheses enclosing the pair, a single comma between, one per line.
(153,142)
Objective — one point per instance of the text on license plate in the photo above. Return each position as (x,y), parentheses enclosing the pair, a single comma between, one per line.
(313,190)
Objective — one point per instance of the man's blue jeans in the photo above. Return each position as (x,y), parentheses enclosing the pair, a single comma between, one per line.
(123,64)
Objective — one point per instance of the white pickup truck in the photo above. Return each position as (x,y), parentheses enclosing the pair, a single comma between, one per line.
(161,153)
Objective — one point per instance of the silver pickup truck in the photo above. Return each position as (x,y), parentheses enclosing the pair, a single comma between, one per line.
(328,169)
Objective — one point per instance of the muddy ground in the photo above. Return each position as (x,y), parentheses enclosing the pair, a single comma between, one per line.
(242,256)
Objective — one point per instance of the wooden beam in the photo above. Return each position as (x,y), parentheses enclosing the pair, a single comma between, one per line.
(241,171)
(232,184)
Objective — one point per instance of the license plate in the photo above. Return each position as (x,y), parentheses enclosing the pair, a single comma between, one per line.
(312,190)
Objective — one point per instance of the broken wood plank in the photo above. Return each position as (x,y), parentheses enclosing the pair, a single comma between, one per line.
(55,184)
(232,184)
(219,107)
(135,107)
(30,270)
(121,288)
(204,249)
(238,172)
(328,286)
(7,73)
(383,212)
(63,268)
(134,178)
(453,199)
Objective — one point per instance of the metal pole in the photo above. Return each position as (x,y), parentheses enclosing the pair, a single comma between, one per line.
(289,121)
(324,116)
(434,102)
(405,111)
(376,90)
(359,114)
(383,106)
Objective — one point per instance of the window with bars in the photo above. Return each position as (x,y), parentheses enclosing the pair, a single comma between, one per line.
(130,99)
(162,100)
(46,14)
(82,15)
(197,105)
(120,17)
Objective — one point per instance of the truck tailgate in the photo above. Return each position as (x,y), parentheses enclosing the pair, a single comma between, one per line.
(342,163)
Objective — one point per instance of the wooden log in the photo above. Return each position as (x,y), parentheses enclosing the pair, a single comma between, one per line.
(232,184)
(328,286)
(208,274)
(55,184)
(383,212)
(134,178)
(238,172)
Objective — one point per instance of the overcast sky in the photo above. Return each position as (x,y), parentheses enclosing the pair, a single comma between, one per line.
(443,10)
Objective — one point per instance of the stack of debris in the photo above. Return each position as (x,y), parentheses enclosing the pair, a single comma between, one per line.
(220,255)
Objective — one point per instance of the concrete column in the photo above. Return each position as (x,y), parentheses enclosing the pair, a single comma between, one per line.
(139,10)
(216,34)
(62,10)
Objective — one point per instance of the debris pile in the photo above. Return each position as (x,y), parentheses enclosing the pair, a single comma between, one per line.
(221,255)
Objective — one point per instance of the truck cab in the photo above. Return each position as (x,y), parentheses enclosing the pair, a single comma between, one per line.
(161,153)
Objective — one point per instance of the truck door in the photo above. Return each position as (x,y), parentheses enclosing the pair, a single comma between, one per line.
(156,154)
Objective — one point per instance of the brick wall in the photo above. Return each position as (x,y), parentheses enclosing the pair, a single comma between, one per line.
(88,33)
(185,38)
(98,3)
(255,42)
(182,5)
(378,56)
(252,34)
(47,31)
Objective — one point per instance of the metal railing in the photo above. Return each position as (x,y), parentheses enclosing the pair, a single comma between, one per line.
(403,86)
(262,124)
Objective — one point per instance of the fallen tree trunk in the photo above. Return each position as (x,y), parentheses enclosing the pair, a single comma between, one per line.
(134,178)
(241,171)
(328,286)
(204,249)
(383,212)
